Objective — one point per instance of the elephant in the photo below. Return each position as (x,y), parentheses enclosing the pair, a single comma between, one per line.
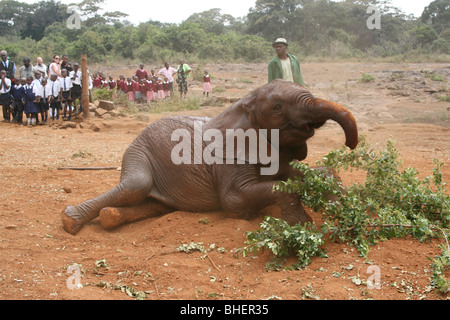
(154,180)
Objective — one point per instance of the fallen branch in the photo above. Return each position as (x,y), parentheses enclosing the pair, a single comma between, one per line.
(215,266)
(88,168)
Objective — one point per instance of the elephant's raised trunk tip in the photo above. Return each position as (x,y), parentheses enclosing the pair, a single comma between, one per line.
(343,116)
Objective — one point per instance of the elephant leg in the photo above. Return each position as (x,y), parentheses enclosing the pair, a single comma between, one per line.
(134,187)
(256,196)
(112,217)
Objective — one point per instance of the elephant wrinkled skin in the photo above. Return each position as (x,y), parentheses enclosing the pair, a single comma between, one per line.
(152,184)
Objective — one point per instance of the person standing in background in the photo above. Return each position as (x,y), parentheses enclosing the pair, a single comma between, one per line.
(65,64)
(141,73)
(5,95)
(27,70)
(54,67)
(168,72)
(206,83)
(75,76)
(183,72)
(284,65)
(7,65)
(41,67)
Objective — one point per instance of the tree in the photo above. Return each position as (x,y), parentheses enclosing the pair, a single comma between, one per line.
(424,34)
(41,16)
(437,15)
(90,10)
(212,21)
(13,17)
(272,19)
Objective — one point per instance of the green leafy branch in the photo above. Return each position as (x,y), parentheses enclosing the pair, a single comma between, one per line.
(390,203)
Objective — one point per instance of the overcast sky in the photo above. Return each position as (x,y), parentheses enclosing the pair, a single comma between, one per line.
(176,11)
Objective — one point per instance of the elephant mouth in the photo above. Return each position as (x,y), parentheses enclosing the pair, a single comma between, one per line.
(305,128)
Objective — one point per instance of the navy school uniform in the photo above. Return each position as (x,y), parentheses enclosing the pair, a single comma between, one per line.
(31,94)
(17,95)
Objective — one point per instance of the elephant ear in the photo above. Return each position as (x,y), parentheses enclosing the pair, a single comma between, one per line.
(242,139)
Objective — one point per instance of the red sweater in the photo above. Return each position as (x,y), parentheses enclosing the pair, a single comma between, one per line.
(135,86)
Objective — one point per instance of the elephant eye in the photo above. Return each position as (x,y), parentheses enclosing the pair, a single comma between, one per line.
(277,107)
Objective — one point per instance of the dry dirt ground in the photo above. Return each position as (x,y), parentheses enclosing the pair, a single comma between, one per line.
(39,260)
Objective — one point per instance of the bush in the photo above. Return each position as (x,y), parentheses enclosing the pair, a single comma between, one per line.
(366,78)
(390,203)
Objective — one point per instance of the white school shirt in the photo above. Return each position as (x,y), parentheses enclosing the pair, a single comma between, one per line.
(77,79)
(47,89)
(55,88)
(37,84)
(90,85)
(66,83)
(8,83)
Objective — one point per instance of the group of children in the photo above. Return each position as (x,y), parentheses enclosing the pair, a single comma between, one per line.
(138,90)
(34,96)
(151,88)
(39,96)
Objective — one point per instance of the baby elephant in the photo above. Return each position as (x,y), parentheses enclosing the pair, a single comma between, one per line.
(227,163)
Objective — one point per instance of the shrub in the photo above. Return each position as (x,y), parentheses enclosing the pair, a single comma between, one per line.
(366,78)
(390,203)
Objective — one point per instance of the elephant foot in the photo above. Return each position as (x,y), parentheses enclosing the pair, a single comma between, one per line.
(296,218)
(111,218)
(293,212)
(71,220)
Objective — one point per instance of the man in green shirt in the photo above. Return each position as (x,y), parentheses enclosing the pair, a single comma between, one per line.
(284,66)
(183,72)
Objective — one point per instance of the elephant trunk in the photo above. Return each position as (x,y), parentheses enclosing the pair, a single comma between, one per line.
(323,110)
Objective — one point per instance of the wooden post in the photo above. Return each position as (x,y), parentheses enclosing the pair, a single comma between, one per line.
(85,86)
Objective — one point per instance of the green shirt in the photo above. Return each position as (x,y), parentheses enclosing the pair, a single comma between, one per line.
(185,69)
(276,70)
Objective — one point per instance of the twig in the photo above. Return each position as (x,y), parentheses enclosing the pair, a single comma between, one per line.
(156,289)
(88,168)
(212,262)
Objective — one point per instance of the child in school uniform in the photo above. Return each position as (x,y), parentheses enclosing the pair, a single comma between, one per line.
(143,90)
(66,89)
(155,88)
(54,96)
(166,87)
(129,89)
(160,89)
(76,77)
(43,105)
(150,93)
(206,83)
(104,83)
(17,93)
(121,83)
(32,98)
(37,82)
(97,81)
(137,93)
(5,95)
(112,86)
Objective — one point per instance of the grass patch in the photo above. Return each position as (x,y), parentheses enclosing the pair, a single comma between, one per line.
(444,98)
(434,76)
(366,78)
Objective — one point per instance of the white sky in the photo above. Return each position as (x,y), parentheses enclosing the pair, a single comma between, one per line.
(176,11)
